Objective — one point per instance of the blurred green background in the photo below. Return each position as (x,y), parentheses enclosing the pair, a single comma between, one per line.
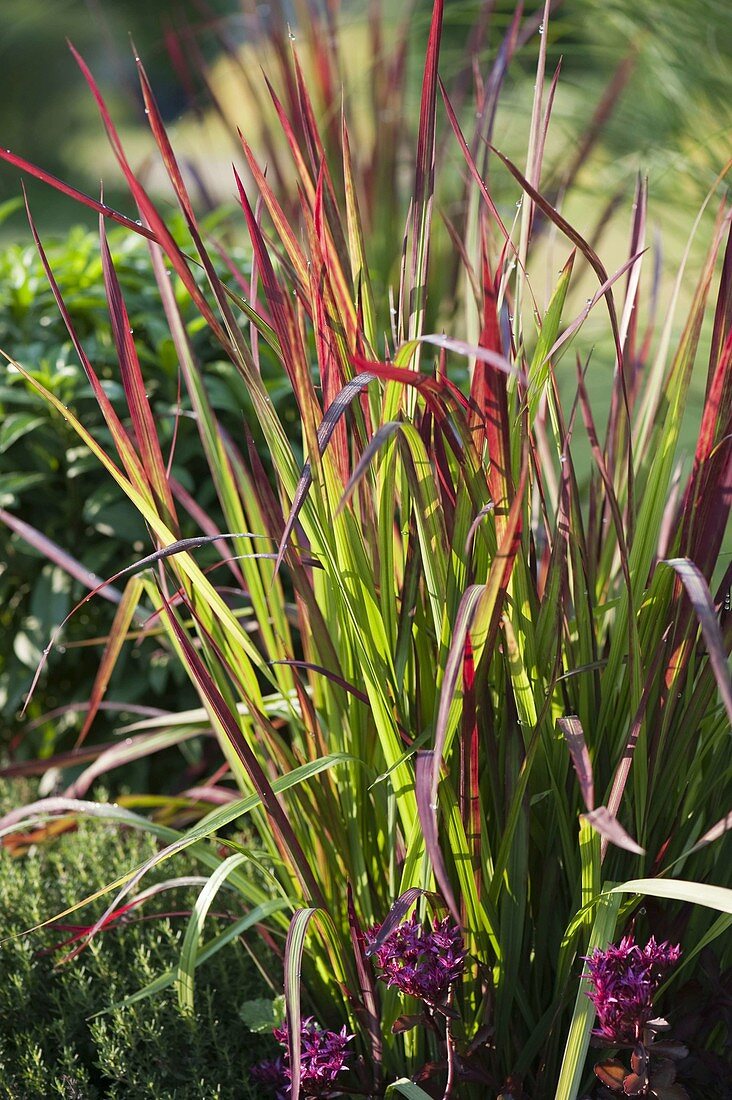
(672,120)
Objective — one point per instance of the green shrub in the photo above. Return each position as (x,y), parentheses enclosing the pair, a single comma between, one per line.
(49,1046)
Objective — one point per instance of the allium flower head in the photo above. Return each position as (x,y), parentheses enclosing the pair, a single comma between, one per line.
(624,980)
(323,1056)
(419,960)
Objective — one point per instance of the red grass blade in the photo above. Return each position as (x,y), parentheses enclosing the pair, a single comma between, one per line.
(424,182)
(143,421)
(117,636)
(271,803)
(78,196)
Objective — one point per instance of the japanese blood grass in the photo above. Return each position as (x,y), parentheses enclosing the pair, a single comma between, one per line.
(475,671)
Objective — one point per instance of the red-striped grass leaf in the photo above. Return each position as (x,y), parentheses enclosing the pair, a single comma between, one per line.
(397,913)
(130,749)
(474,172)
(293,353)
(161,233)
(363,293)
(571,233)
(122,442)
(229,725)
(479,613)
(279,218)
(79,196)
(138,403)
(121,623)
(535,146)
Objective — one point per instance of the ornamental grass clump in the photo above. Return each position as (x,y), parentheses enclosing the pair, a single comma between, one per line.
(445,660)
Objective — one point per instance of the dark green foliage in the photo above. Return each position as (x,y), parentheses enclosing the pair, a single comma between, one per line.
(48,1045)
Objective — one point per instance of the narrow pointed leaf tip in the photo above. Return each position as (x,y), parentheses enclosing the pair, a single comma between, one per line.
(609,827)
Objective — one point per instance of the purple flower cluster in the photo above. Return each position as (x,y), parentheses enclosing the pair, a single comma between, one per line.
(420,961)
(624,982)
(323,1056)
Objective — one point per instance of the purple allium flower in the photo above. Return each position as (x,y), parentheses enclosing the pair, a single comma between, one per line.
(421,961)
(625,980)
(323,1055)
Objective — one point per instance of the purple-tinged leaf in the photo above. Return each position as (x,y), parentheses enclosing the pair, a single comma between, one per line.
(574,735)
(126,751)
(55,554)
(122,442)
(378,439)
(571,233)
(123,617)
(470,160)
(484,511)
(487,601)
(698,592)
(476,351)
(716,831)
(623,769)
(427,809)
(610,828)
(394,917)
(218,796)
(332,676)
(161,233)
(230,725)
